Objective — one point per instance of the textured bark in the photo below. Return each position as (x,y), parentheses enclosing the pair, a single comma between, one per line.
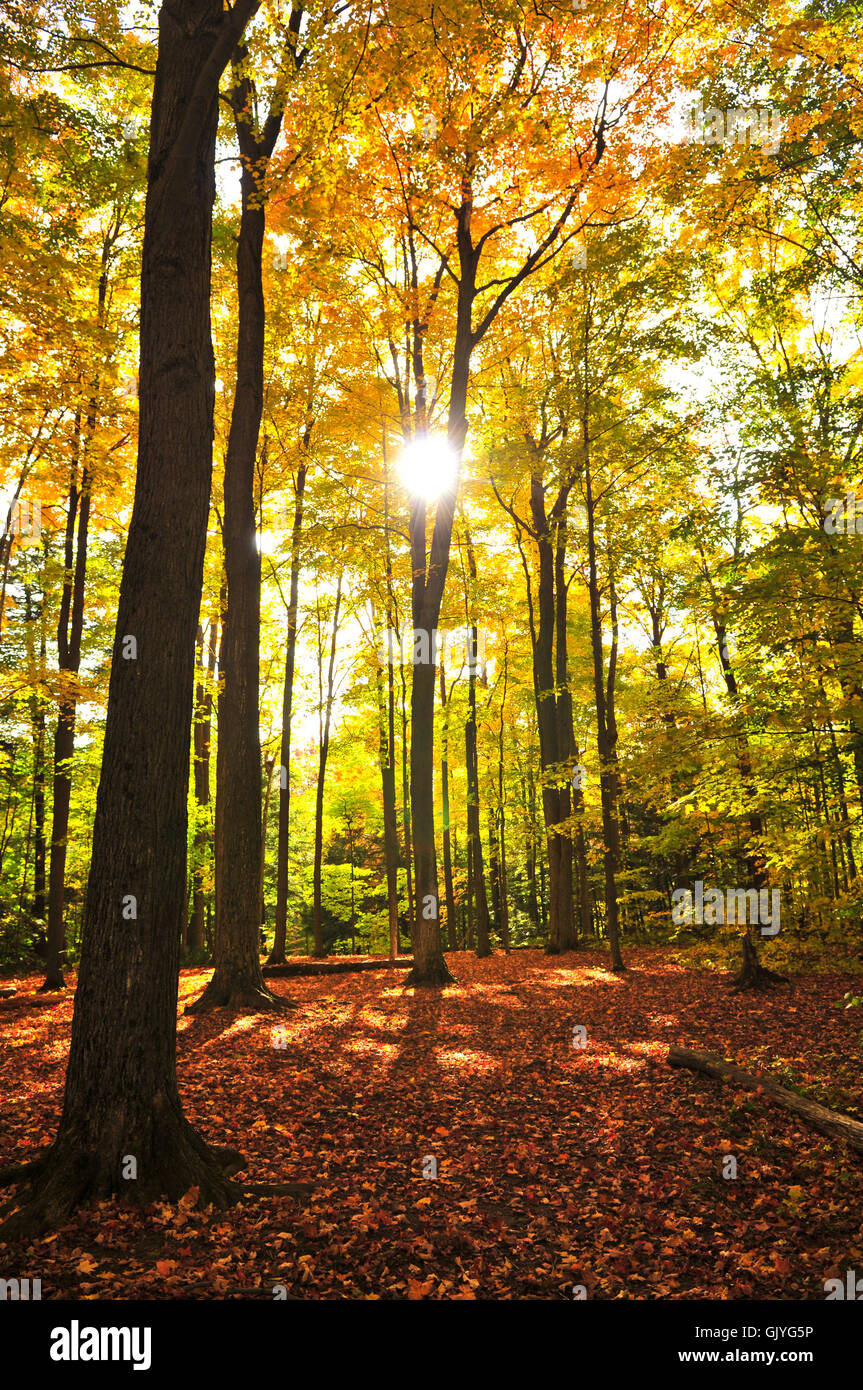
(121,1097)
(237,981)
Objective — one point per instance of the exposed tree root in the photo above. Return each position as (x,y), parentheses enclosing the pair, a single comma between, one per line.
(242,995)
(57,1182)
(435,978)
(53,984)
(7,991)
(171,1159)
(18,1171)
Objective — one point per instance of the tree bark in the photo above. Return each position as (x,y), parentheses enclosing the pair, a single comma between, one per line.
(69,630)
(237,982)
(121,1099)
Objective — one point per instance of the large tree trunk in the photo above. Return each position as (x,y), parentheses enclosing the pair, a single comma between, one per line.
(428,577)
(277,955)
(237,982)
(121,1099)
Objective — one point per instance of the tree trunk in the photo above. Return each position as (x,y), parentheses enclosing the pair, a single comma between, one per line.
(277,955)
(449,893)
(605,747)
(483,945)
(37,728)
(501,811)
(203,730)
(122,1128)
(530,851)
(387,718)
(69,630)
(752,974)
(565,733)
(388,794)
(406,794)
(237,982)
(325,717)
(550,723)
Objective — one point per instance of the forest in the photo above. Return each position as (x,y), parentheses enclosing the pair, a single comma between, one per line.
(431,649)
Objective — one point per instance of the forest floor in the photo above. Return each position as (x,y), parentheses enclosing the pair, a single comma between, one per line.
(556,1165)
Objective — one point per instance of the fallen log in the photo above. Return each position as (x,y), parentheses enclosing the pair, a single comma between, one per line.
(827,1121)
(7,991)
(336,967)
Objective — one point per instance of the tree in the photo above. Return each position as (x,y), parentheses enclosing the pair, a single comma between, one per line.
(122,1129)
(237,981)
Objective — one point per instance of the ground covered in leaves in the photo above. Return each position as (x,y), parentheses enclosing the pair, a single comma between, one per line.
(557,1165)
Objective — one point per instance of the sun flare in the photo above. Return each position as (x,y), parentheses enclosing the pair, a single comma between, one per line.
(427,466)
